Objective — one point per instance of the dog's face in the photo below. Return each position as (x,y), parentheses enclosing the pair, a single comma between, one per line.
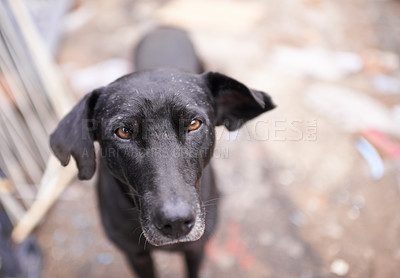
(156,134)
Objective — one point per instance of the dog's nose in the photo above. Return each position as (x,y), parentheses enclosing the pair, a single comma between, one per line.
(175,220)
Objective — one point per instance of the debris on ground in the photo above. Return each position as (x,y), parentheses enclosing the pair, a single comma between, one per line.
(297,200)
(352,110)
(316,62)
(372,157)
(340,267)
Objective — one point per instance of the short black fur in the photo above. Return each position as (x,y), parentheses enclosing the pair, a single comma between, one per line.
(156,186)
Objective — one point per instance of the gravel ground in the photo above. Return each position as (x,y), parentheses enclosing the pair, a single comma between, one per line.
(298,198)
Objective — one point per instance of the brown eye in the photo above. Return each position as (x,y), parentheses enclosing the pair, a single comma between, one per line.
(195,124)
(123,133)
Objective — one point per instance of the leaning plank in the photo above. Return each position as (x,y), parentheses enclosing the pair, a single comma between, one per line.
(55,179)
(13,170)
(60,98)
(14,209)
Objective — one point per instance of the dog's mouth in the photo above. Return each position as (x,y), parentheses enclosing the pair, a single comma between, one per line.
(158,237)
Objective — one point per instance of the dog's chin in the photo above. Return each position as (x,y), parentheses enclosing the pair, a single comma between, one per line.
(156,238)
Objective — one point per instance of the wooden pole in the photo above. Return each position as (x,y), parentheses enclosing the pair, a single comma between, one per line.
(55,179)
(60,98)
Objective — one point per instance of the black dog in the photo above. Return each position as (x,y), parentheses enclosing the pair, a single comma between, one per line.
(156,133)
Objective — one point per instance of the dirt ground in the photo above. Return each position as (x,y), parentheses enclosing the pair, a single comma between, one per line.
(298,198)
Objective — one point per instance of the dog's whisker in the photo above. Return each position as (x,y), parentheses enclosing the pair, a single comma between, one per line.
(209,205)
(145,242)
(134,231)
(132,209)
(211,200)
(131,194)
(130,187)
(140,237)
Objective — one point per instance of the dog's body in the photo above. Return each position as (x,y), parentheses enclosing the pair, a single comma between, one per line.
(155,128)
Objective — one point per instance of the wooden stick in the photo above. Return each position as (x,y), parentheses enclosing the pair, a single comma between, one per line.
(14,169)
(60,178)
(14,209)
(60,98)
(34,92)
(17,130)
(56,178)
(16,87)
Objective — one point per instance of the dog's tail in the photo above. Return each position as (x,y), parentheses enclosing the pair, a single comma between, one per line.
(167,47)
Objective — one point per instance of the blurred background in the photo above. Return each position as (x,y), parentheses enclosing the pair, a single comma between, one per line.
(310,189)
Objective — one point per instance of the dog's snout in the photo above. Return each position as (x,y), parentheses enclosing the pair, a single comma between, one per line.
(175,220)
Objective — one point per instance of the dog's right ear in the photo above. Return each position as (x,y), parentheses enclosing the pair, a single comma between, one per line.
(235,103)
(73,137)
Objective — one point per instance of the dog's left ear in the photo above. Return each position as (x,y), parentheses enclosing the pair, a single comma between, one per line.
(74,136)
(234,102)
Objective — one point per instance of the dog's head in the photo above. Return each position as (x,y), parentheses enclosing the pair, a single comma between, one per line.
(156,134)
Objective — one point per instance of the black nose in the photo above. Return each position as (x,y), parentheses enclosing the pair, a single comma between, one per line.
(175,220)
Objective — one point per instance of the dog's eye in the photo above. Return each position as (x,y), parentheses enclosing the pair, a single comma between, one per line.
(194,124)
(123,133)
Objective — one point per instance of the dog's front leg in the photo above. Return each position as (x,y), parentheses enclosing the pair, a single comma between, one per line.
(142,264)
(194,259)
